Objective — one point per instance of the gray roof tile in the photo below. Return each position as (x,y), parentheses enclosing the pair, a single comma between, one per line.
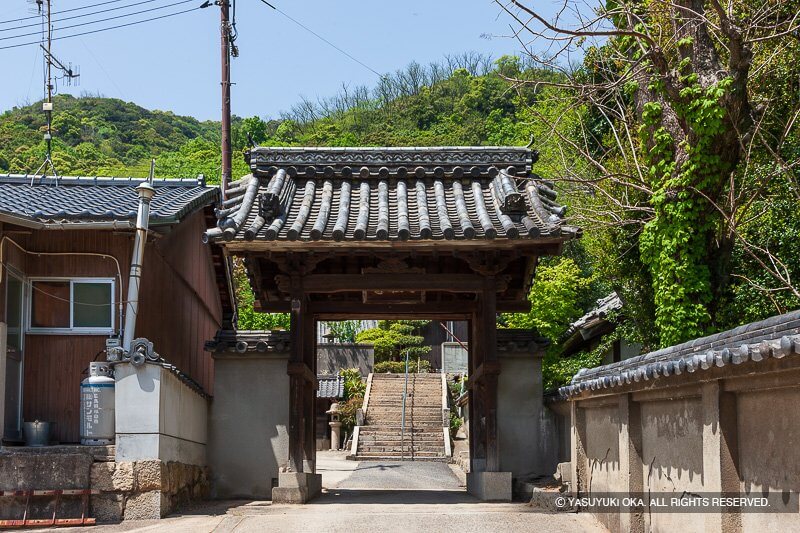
(775,337)
(390,194)
(330,387)
(75,200)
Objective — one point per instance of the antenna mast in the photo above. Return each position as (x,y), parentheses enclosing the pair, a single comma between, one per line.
(68,73)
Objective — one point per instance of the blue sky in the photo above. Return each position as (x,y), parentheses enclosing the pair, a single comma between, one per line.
(173,64)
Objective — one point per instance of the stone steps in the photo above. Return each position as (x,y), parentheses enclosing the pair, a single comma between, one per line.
(433,447)
(381,438)
(397,457)
(411,437)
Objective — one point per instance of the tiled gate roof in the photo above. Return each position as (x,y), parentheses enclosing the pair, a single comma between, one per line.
(390,194)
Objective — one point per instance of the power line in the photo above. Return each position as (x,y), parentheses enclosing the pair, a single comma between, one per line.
(90,32)
(82,15)
(99,20)
(62,11)
(323,39)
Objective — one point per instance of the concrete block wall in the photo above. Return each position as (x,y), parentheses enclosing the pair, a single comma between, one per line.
(158,416)
(162,431)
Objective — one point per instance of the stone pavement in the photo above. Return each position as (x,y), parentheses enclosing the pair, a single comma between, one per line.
(373,497)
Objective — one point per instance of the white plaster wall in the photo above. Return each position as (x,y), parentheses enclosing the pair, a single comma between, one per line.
(248,427)
(769,453)
(528,442)
(672,456)
(602,449)
(602,454)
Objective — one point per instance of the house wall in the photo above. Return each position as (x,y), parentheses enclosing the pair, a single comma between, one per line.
(179,310)
(435,335)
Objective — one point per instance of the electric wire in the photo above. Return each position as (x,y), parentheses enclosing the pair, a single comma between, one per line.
(90,32)
(62,11)
(61,28)
(82,15)
(323,39)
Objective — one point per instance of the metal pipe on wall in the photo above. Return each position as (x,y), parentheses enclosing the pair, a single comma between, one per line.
(146,193)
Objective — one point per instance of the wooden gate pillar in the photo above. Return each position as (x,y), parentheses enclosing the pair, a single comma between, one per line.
(310,395)
(492,368)
(297,382)
(485,480)
(477,423)
(300,484)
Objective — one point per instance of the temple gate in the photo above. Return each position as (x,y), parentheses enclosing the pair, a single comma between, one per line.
(450,233)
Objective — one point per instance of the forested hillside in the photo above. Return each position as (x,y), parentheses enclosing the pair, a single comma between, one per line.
(693,244)
(105,136)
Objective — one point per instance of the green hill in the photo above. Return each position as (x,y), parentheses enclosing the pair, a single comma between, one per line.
(95,135)
(467,102)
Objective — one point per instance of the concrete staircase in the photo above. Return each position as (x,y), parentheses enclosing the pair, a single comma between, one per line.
(380,436)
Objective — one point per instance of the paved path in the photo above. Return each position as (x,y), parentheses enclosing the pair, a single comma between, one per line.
(338,473)
(370,497)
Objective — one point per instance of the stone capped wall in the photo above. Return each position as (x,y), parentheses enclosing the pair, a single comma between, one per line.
(713,415)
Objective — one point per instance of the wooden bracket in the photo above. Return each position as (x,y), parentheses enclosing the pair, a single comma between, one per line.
(296,368)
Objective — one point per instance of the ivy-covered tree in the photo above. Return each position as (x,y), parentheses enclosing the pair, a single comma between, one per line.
(677,138)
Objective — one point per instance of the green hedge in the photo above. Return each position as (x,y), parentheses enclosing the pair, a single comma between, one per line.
(399,367)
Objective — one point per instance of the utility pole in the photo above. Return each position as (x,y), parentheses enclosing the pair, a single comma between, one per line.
(225,46)
(49,106)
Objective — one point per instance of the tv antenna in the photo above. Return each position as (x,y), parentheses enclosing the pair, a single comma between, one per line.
(69,74)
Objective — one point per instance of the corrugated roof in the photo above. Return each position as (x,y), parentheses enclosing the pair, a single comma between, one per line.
(47,201)
(390,194)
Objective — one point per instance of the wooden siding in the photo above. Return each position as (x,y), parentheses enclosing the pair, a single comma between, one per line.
(179,310)
(179,302)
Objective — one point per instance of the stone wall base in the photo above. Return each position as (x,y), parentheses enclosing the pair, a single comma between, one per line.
(140,490)
(490,486)
(296,487)
(128,490)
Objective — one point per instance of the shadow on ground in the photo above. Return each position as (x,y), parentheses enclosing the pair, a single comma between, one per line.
(393,497)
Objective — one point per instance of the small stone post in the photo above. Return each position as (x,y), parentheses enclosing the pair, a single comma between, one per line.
(335,424)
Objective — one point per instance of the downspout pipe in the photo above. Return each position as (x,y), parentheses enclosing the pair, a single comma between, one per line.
(146,193)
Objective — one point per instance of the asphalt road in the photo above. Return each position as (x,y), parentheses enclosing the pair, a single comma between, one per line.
(371,497)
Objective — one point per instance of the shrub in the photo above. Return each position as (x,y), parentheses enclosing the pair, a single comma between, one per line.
(347,412)
(392,339)
(345,331)
(455,423)
(353,384)
(399,367)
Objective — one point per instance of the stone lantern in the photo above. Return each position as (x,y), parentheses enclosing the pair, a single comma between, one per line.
(336,426)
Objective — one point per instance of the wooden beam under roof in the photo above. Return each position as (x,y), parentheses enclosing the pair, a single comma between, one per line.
(332,283)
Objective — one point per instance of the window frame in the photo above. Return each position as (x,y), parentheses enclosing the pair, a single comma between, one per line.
(72,329)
